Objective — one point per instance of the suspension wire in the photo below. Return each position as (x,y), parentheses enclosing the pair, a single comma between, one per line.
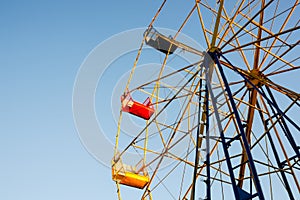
(180,119)
(141,132)
(230,22)
(149,194)
(275,72)
(247,6)
(146,141)
(184,169)
(284,126)
(273,122)
(275,46)
(271,26)
(156,88)
(160,180)
(225,17)
(170,171)
(157,84)
(191,130)
(298,104)
(157,99)
(272,34)
(246,24)
(268,100)
(221,178)
(269,161)
(284,53)
(284,179)
(241,51)
(265,38)
(270,20)
(166,127)
(282,148)
(275,39)
(168,75)
(171,138)
(176,98)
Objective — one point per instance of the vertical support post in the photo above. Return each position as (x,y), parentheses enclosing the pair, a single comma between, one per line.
(242,132)
(202,121)
(209,68)
(198,144)
(208,191)
(223,140)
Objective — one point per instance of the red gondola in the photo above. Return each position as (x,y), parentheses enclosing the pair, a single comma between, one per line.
(143,110)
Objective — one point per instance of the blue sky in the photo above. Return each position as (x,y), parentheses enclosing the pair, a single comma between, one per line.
(42,45)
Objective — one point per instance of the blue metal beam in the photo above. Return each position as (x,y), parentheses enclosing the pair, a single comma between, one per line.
(223,140)
(284,126)
(241,129)
(193,192)
(208,191)
(275,153)
(266,98)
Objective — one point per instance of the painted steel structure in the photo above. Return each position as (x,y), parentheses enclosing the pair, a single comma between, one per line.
(232,115)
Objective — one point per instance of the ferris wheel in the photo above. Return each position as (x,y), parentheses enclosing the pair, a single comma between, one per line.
(232,129)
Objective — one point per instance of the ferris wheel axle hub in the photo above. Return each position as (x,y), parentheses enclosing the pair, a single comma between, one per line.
(257,78)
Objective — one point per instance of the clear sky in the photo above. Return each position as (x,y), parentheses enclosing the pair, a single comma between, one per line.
(42,45)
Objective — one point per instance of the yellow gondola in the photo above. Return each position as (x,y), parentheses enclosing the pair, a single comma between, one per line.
(129,175)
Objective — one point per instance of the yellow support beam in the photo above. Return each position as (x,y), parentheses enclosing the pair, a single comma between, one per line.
(217,24)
